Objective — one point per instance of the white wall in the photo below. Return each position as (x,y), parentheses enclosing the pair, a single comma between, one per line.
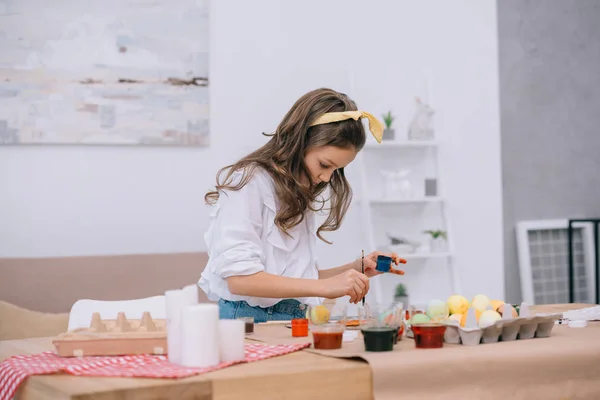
(60,201)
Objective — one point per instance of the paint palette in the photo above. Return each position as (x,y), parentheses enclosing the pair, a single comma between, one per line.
(111,337)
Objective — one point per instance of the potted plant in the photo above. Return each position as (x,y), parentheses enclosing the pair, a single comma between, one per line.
(437,241)
(388,132)
(401,295)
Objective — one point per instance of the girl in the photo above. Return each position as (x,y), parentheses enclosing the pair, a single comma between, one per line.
(262,237)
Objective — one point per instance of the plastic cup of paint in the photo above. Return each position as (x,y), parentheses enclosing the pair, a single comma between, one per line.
(380,331)
(328,336)
(396,329)
(429,335)
(401,331)
(249,321)
(379,338)
(300,327)
(398,308)
(357,315)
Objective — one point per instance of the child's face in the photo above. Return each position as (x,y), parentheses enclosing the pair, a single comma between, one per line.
(321,161)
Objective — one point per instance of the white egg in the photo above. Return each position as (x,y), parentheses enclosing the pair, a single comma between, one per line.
(488,317)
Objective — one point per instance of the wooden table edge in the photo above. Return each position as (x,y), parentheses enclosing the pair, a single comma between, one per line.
(225,379)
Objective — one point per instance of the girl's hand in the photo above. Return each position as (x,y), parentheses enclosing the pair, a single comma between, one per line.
(371,263)
(349,283)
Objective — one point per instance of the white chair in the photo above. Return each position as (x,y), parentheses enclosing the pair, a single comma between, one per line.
(81,312)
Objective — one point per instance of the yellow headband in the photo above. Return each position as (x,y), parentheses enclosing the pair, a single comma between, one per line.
(375,126)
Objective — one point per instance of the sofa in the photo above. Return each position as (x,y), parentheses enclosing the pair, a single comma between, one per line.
(54,284)
(36,294)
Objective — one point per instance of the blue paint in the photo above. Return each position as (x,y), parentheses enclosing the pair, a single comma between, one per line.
(384,263)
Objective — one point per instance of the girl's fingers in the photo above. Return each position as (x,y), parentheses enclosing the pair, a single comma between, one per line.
(352,299)
(356,293)
(370,264)
(396,271)
(397,259)
(364,280)
(359,292)
(361,281)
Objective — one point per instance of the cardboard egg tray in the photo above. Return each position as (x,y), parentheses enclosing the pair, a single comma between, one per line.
(503,330)
(507,329)
(111,337)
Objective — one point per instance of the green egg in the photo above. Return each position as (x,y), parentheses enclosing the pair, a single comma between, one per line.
(419,319)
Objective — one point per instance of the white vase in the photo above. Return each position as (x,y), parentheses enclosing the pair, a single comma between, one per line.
(438,245)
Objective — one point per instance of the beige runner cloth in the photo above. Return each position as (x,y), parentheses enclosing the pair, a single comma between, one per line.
(563,366)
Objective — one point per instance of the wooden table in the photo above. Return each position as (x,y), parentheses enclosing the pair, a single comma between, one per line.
(299,375)
(293,376)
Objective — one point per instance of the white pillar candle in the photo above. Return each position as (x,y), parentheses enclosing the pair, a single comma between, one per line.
(231,340)
(174,301)
(192,292)
(200,336)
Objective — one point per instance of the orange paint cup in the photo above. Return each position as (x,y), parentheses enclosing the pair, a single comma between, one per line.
(300,327)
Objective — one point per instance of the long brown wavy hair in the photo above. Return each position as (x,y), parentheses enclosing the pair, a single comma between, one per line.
(283,158)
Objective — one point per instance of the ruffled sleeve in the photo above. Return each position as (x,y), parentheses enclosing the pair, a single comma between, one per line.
(234,239)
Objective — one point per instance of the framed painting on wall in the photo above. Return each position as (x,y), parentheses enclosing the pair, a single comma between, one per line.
(104,72)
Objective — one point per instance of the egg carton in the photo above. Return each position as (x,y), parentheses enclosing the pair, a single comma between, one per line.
(507,329)
(111,337)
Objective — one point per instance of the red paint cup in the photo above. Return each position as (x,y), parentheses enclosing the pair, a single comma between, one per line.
(429,336)
(328,336)
(300,327)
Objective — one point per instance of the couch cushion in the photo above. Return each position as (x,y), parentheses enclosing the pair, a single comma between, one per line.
(20,323)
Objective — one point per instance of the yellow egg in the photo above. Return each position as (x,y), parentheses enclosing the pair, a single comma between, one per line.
(319,315)
(457,304)
(481,302)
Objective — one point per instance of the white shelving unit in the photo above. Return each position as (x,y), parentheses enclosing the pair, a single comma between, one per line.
(401,144)
(406,201)
(416,256)
(370,161)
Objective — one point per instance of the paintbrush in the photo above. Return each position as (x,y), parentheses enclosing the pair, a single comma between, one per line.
(362,260)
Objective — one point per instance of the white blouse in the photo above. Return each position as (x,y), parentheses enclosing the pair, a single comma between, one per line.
(243,239)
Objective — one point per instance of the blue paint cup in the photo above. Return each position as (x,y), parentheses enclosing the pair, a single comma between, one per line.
(384,263)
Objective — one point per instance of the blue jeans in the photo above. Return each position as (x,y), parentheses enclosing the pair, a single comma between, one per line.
(285,310)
